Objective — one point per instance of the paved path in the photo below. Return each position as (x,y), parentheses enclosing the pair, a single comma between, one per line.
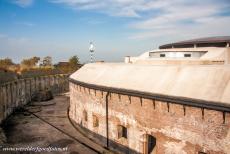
(48,126)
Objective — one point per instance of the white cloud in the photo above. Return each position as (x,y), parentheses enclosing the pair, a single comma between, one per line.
(155,18)
(179,14)
(185,21)
(206,27)
(23,3)
(125,8)
(28,24)
(134,8)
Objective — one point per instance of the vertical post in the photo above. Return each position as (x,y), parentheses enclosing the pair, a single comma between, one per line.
(25,82)
(91,57)
(30,89)
(35,86)
(16,92)
(107,119)
(49,78)
(20,92)
(5,101)
(39,84)
(2,111)
(55,83)
(1,104)
(11,97)
(45,82)
(91,50)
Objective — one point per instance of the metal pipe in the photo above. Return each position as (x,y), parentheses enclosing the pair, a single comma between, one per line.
(107,119)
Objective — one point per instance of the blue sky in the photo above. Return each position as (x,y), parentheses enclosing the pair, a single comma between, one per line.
(63,28)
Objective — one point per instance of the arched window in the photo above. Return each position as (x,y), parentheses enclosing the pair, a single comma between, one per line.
(122,131)
(85,116)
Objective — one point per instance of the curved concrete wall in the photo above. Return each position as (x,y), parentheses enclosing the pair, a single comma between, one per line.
(203,82)
(18,93)
(208,55)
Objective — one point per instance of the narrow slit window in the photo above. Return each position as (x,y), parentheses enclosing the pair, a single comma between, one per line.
(95,121)
(122,131)
(85,116)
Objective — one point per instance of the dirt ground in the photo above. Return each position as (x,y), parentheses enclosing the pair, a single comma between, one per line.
(43,126)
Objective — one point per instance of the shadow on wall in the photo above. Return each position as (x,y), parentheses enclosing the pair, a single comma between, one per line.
(20,92)
(117,147)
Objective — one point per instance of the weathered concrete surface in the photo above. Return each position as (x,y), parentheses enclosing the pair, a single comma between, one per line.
(44,95)
(173,80)
(23,129)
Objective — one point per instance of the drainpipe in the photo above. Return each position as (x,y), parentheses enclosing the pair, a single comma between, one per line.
(107,119)
(227,54)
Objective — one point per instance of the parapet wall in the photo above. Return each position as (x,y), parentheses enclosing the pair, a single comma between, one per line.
(19,92)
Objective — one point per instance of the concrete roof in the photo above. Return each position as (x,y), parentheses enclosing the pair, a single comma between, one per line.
(204,82)
(209,40)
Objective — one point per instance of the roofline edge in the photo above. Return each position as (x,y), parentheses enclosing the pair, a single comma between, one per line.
(160,97)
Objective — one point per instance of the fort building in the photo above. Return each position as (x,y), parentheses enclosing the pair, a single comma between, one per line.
(175,99)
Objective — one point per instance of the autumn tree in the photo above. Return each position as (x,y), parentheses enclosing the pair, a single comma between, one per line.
(5,63)
(74,62)
(47,61)
(31,62)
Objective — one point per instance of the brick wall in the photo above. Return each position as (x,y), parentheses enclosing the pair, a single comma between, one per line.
(177,128)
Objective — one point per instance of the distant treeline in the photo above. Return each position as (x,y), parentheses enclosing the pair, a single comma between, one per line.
(34,66)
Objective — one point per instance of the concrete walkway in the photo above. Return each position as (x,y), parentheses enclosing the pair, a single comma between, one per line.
(46,125)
